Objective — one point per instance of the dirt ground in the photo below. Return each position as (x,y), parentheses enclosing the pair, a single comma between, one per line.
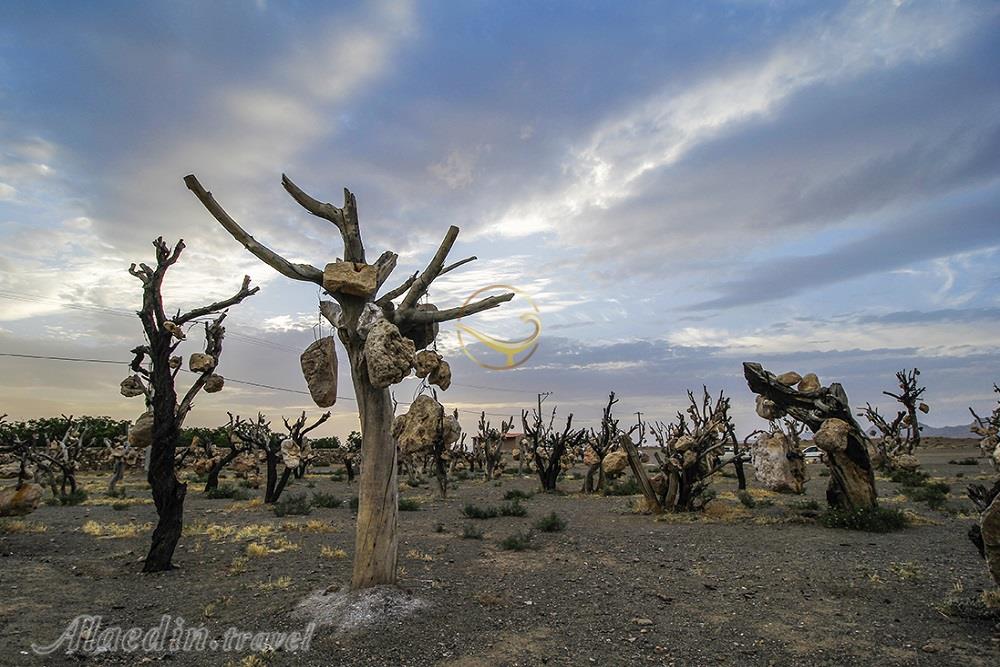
(760,586)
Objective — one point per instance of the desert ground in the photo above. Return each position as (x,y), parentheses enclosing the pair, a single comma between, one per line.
(761,585)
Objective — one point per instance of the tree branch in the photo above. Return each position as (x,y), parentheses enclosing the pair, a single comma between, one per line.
(304,272)
(244,292)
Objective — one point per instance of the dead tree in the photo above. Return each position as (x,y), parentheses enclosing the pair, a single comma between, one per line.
(900,437)
(691,452)
(122,455)
(548,446)
(235,447)
(351,453)
(827,413)
(988,429)
(601,443)
(490,439)
(155,372)
(380,337)
(295,449)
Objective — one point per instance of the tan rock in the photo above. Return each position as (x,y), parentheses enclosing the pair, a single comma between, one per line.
(175,362)
(789,379)
(989,525)
(441,375)
(426,362)
(615,462)
(905,462)
(590,457)
(175,330)
(319,367)
(16,502)
(923,407)
(141,433)
(421,426)
(132,386)
(768,409)
(832,435)
(201,362)
(355,278)
(291,453)
(773,467)
(389,356)
(684,443)
(214,383)
(809,383)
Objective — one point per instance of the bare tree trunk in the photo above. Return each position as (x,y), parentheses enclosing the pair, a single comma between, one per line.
(168,491)
(376,543)
(116,476)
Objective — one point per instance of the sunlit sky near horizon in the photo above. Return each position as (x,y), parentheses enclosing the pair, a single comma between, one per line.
(680,187)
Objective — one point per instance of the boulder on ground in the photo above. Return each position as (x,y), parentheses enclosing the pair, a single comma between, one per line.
(18,501)
(389,355)
(905,462)
(319,367)
(776,466)
(354,278)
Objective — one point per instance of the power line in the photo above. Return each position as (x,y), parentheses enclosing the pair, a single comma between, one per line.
(228,379)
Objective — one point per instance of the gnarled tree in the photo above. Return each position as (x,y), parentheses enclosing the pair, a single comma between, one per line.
(374,330)
(827,413)
(489,441)
(550,449)
(988,429)
(900,437)
(155,371)
(601,442)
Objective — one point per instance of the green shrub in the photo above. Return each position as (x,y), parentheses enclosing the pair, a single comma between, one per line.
(871,520)
(935,494)
(517,494)
(513,508)
(804,505)
(968,461)
(470,532)
(551,523)
(462,475)
(408,504)
(292,506)
(325,500)
(118,507)
(71,498)
(517,542)
(477,512)
(227,491)
(746,499)
(622,487)
(909,477)
(353,503)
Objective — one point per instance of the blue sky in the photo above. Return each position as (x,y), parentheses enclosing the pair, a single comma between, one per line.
(679,186)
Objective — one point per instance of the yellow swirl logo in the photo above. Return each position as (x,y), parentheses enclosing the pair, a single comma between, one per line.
(516,351)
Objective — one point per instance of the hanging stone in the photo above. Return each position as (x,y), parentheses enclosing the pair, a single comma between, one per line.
(132,386)
(201,362)
(174,329)
(389,356)
(141,433)
(423,425)
(319,367)
(422,334)
(175,362)
(354,278)
(214,383)
(441,375)
(426,362)
(369,316)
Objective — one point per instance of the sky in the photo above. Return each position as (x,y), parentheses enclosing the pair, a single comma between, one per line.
(678,188)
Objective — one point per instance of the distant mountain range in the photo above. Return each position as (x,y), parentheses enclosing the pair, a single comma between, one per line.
(948,432)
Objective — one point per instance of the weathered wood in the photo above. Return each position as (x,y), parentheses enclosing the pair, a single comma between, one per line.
(639,472)
(852,478)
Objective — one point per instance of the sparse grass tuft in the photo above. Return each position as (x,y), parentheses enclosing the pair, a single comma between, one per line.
(935,494)
(517,494)
(227,492)
(279,584)
(332,553)
(909,477)
(238,566)
(513,508)
(968,461)
(108,530)
(872,520)
(353,503)
(622,487)
(20,527)
(746,499)
(804,505)
(551,523)
(477,512)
